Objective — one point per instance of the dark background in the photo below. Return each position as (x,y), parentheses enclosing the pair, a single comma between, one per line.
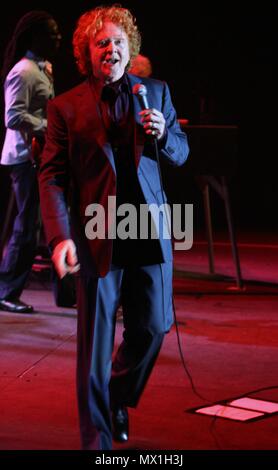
(220,63)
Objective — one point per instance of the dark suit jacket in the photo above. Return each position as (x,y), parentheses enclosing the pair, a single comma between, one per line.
(78,167)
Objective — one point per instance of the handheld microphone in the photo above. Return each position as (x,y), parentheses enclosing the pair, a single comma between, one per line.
(141,92)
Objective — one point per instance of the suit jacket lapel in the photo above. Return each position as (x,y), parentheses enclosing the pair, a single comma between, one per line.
(90,108)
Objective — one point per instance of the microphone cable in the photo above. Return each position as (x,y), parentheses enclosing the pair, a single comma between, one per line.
(140,91)
(185,367)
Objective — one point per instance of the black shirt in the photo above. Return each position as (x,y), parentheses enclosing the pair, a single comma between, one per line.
(118,117)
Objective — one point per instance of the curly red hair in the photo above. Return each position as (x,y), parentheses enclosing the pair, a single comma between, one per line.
(91,22)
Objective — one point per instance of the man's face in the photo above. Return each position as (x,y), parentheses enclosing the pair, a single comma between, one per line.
(47,40)
(109,51)
(54,35)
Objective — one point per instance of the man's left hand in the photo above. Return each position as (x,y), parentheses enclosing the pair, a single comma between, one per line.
(153,122)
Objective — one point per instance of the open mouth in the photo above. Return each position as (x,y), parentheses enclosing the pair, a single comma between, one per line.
(111,61)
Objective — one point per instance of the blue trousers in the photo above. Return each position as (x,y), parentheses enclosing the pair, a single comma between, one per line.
(101,382)
(18,259)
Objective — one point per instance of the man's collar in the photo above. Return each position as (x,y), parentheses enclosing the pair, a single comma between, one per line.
(120,85)
(39,60)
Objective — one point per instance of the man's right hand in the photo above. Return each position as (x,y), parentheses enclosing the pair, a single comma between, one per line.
(65,259)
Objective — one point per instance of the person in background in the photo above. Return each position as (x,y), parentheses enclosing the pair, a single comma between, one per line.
(141,66)
(100,145)
(28,85)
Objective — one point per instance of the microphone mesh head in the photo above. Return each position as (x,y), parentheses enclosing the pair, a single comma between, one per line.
(139,89)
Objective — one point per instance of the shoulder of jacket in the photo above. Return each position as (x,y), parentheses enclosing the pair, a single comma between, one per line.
(73,92)
(24,68)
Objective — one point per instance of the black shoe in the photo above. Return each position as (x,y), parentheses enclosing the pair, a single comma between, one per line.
(120,424)
(15,306)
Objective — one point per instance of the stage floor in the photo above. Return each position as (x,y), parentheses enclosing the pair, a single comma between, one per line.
(229,340)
